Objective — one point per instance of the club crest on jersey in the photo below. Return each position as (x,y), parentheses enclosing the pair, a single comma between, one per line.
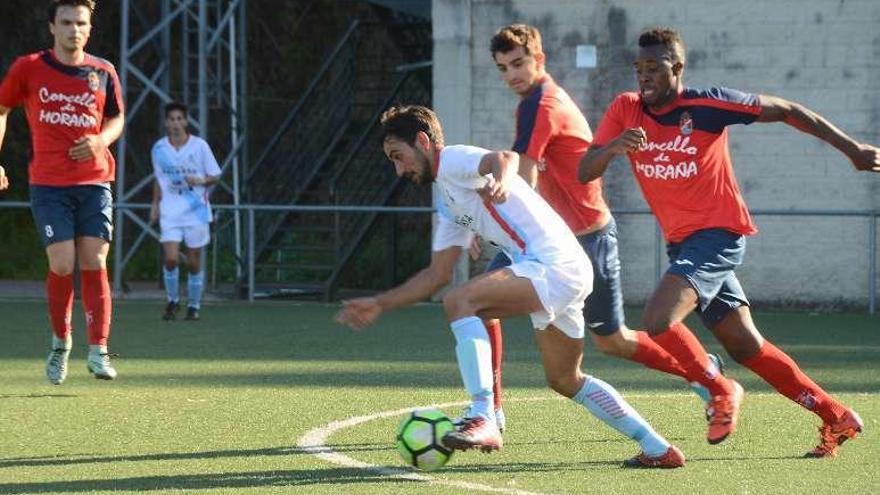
(93,80)
(686,123)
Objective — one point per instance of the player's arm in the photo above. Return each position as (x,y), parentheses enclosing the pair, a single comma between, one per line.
(503,165)
(92,145)
(775,109)
(362,312)
(208,180)
(157,196)
(4,113)
(597,158)
(528,170)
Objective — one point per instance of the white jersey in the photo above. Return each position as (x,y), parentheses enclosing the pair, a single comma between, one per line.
(183,205)
(525,227)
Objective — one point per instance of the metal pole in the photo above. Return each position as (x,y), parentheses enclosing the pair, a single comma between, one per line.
(872,263)
(658,249)
(233,125)
(203,69)
(250,254)
(120,150)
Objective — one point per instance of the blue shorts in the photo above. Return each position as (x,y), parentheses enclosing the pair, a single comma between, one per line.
(65,213)
(603,311)
(706,259)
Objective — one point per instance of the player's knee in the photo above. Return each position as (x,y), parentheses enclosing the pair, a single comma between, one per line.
(170,263)
(457,304)
(741,350)
(612,345)
(656,324)
(61,267)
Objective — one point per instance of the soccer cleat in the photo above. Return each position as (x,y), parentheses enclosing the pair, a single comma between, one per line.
(474,433)
(98,364)
(833,435)
(723,411)
(672,458)
(698,388)
(500,420)
(192,314)
(56,365)
(171,311)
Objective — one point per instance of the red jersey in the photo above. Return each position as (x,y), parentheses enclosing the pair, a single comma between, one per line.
(551,130)
(684,170)
(63,103)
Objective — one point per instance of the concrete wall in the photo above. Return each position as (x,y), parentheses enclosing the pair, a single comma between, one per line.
(824,54)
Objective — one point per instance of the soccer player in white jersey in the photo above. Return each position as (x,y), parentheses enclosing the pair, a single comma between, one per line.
(481,192)
(185,168)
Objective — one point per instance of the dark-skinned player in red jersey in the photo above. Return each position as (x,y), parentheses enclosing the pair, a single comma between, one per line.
(74,108)
(676,141)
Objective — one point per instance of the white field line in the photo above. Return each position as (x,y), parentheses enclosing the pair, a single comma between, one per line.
(315,442)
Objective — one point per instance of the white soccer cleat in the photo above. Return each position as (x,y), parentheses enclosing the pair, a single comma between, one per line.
(56,365)
(98,363)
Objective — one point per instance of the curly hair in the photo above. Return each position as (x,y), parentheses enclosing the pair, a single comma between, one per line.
(667,37)
(54,4)
(405,121)
(509,37)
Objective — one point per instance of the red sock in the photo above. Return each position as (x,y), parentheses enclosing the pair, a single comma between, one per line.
(683,345)
(780,371)
(59,295)
(97,304)
(655,357)
(493,327)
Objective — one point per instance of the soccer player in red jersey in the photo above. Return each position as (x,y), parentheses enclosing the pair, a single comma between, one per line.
(74,108)
(676,141)
(551,137)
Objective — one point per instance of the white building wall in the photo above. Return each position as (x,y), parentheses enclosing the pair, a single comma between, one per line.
(823,54)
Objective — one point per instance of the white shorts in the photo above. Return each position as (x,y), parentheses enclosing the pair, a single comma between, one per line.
(562,289)
(195,236)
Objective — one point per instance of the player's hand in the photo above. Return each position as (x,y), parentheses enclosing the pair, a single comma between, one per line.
(195,180)
(475,249)
(867,158)
(87,147)
(493,192)
(629,140)
(359,313)
(4,181)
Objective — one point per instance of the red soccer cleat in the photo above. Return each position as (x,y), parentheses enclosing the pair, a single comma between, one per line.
(833,435)
(671,459)
(477,432)
(723,411)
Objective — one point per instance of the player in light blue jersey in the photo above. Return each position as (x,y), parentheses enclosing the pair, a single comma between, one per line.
(481,193)
(185,169)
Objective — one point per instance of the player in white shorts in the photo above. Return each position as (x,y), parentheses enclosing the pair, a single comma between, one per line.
(480,192)
(185,168)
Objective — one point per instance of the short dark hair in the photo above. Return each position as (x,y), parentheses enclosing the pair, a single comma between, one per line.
(405,121)
(667,37)
(511,36)
(54,4)
(175,105)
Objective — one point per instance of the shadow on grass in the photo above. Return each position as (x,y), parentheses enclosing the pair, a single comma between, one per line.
(244,479)
(37,396)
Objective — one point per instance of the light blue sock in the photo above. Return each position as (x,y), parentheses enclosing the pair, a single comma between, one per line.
(475,363)
(606,403)
(172,280)
(194,289)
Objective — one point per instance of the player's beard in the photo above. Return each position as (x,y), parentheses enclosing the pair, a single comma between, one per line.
(423,176)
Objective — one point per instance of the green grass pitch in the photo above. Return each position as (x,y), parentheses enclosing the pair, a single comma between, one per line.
(222,406)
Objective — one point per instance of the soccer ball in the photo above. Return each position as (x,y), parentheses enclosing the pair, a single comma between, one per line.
(419,439)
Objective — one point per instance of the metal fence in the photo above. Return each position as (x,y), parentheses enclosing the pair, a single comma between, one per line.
(250,210)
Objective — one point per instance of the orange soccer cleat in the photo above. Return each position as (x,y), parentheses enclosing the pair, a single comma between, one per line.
(833,435)
(723,411)
(672,458)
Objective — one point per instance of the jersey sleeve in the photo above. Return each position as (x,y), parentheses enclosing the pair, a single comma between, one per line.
(209,161)
(612,124)
(460,165)
(113,106)
(449,234)
(534,129)
(13,89)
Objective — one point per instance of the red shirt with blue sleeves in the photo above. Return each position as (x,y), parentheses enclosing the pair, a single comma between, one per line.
(551,130)
(685,170)
(63,103)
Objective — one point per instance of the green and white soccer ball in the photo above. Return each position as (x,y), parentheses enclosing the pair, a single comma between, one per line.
(419,439)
